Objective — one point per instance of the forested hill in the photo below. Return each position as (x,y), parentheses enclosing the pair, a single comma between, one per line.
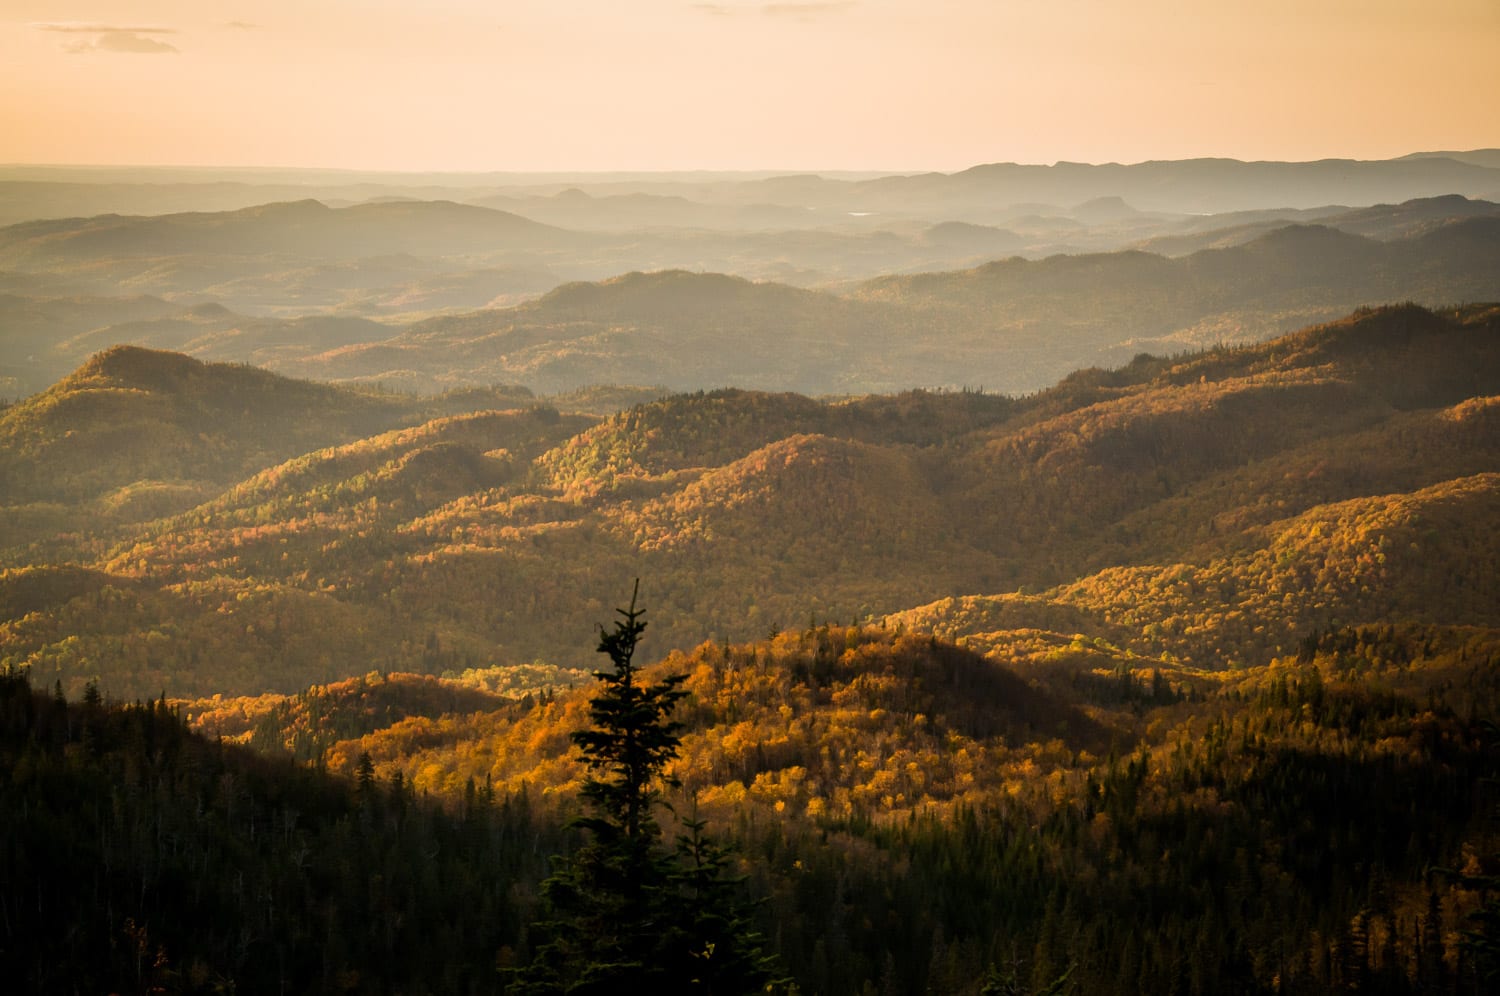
(908,813)
(141,858)
(134,434)
(1175,677)
(153,413)
(1218,506)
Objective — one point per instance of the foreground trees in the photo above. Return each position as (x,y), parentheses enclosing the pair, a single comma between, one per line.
(1323,826)
(624,913)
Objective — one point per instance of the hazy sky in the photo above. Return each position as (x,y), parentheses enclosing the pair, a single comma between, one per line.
(675,84)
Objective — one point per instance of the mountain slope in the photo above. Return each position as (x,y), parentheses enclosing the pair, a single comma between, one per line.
(684,330)
(386,291)
(135,434)
(488,535)
(919,801)
(1014,325)
(211,869)
(1195,655)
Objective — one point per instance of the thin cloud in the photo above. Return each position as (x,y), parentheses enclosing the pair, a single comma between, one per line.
(243,26)
(112,38)
(129,41)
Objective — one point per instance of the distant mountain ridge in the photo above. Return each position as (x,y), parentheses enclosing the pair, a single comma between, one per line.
(1012,325)
(1386,222)
(136,190)
(302,228)
(317,290)
(1215,185)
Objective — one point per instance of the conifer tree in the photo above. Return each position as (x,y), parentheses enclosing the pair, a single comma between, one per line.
(626,913)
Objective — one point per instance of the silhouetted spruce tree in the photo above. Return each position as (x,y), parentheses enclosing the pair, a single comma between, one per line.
(624,913)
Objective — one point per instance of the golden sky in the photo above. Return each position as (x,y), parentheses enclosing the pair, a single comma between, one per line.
(734,84)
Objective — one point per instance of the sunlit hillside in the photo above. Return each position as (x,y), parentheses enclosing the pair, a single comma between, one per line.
(966,675)
(1176,497)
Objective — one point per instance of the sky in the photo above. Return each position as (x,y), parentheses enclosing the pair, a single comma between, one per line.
(576,85)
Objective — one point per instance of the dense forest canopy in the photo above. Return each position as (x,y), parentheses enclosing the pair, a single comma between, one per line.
(1178,676)
(1217,508)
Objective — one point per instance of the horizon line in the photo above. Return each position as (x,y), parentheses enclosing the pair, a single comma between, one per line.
(702,170)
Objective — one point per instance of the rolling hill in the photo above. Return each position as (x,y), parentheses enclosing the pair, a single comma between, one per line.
(1203,642)
(135,434)
(1013,325)
(1226,479)
(852,301)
